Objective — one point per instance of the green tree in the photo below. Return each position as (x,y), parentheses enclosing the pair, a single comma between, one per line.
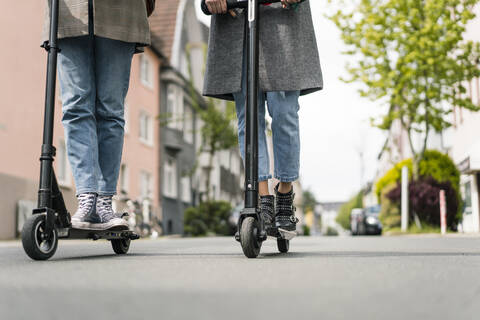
(411,54)
(343,217)
(309,201)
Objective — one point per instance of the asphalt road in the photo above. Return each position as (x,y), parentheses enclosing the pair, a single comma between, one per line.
(322,278)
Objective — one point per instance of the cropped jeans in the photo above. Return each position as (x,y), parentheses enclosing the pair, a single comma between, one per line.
(94,74)
(283,108)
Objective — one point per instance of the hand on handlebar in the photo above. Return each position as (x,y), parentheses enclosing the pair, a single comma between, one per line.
(219,7)
(287,3)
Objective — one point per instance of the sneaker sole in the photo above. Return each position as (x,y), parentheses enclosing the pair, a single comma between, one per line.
(114,223)
(80,225)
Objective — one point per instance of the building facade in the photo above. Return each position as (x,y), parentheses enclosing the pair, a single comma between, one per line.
(22,84)
(184,167)
(466,145)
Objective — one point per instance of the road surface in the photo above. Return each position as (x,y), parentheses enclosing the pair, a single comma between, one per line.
(423,277)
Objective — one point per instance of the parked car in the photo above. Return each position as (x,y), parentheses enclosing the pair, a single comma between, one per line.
(365,221)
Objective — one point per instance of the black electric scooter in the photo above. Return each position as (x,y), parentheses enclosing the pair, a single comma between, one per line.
(51,220)
(251,227)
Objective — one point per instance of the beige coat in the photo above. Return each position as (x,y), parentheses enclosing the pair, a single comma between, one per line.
(124,20)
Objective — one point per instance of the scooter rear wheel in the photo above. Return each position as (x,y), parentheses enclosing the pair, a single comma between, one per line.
(283,245)
(37,244)
(120,246)
(249,237)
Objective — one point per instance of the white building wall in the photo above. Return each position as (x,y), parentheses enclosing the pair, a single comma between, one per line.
(465,136)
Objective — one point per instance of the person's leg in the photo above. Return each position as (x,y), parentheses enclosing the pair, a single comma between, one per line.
(77,86)
(263,157)
(266,200)
(283,108)
(112,69)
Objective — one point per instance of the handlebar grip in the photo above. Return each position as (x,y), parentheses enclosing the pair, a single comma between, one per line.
(232,4)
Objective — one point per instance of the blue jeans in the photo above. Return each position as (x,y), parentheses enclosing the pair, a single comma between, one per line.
(94,75)
(283,108)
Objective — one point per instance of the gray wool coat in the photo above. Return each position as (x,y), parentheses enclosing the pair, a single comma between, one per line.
(124,20)
(289,58)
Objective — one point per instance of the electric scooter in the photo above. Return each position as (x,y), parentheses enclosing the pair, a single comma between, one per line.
(251,226)
(51,220)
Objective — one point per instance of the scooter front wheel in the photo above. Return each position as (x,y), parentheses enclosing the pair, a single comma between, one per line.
(249,237)
(37,244)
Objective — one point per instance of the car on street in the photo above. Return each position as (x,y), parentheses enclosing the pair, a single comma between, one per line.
(365,221)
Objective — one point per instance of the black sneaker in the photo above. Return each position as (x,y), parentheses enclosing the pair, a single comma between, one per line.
(284,210)
(267,210)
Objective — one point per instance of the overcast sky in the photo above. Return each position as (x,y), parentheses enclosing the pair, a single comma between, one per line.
(334,123)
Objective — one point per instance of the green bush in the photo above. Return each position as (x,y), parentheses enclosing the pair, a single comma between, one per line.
(436,170)
(332,232)
(393,176)
(209,218)
(390,211)
(306,230)
(440,167)
(434,164)
(343,217)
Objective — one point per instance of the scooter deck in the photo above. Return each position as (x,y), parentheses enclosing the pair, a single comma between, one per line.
(108,234)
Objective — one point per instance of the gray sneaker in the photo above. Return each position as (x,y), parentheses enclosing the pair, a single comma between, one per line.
(108,218)
(86,212)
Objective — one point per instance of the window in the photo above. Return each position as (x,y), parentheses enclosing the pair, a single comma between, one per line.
(186,192)
(175,107)
(62,165)
(146,128)
(188,126)
(145,185)
(170,178)
(467,194)
(146,74)
(123,180)
(171,105)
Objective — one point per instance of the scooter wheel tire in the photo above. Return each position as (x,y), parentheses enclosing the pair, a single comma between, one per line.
(283,245)
(120,246)
(36,243)
(249,237)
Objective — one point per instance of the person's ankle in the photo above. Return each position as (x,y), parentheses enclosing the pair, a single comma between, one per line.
(285,188)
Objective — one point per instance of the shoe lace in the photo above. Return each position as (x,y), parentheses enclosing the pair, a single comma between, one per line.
(104,208)
(85,203)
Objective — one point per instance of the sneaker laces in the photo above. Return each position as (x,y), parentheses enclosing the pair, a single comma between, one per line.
(104,208)
(85,204)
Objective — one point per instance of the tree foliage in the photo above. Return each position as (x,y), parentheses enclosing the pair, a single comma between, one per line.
(343,217)
(424,200)
(437,171)
(412,55)
(210,217)
(309,201)
(434,164)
